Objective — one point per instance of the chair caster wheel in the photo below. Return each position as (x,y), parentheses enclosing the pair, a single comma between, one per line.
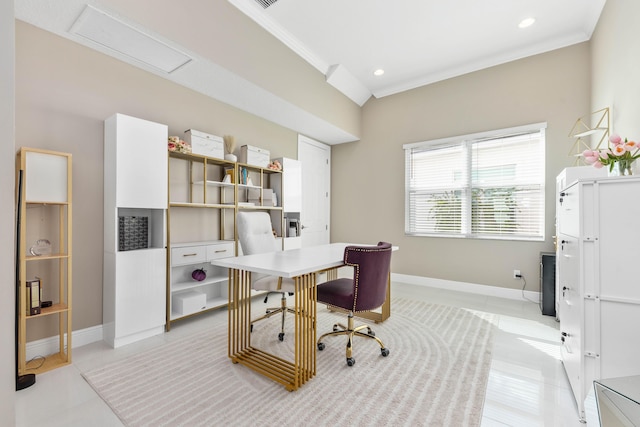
(335,328)
(351,361)
(281,336)
(384,352)
(371,333)
(320,346)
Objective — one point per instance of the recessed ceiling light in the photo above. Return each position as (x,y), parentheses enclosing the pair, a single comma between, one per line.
(527,22)
(378,72)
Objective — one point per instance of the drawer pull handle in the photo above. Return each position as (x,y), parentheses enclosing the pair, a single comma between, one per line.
(185,255)
(221,251)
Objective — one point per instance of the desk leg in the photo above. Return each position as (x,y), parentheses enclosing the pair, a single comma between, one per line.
(240,350)
(239,312)
(305,328)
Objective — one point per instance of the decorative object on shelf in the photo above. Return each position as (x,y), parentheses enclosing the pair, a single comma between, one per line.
(178,145)
(40,247)
(34,292)
(244,173)
(204,144)
(230,146)
(623,168)
(228,174)
(619,157)
(275,165)
(254,156)
(199,274)
(596,124)
(133,233)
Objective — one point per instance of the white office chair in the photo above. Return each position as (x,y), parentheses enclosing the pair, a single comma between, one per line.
(256,237)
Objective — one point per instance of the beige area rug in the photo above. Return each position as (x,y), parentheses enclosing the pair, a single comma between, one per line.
(436,375)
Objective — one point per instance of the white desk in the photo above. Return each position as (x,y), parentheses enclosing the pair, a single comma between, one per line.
(301,265)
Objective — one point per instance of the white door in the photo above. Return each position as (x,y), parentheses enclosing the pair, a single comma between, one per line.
(315,158)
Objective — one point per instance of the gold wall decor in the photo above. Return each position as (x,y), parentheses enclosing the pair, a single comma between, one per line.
(586,130)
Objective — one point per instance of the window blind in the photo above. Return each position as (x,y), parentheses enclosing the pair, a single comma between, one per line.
(488,185)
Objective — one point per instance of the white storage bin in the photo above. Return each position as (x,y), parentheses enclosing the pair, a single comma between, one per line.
(254,156)
(205,144)
(189,302)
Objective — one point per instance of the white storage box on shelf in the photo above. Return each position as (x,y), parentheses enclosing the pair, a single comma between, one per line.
(205,144)
(267,198)
(254,156)
(189,302)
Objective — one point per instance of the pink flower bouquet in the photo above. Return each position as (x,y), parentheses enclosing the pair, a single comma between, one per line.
(178,145)
(622,153)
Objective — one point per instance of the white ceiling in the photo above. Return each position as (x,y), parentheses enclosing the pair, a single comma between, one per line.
(416,42)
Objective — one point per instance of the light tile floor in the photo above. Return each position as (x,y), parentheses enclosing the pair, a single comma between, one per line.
(527,384)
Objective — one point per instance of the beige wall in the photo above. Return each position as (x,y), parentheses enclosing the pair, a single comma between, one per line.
(7,220)
(63,94)
(368,176)
(65,91)
(615,64)
(232,40)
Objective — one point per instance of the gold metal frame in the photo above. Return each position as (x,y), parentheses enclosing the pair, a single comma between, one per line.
(63,307)
(290,374)
(591,124)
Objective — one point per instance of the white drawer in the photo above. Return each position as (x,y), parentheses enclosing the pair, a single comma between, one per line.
(220,250)
(188,255)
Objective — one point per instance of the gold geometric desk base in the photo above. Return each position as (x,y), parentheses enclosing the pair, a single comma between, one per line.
(290,374)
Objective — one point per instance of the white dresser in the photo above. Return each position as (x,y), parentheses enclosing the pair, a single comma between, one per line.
(598,277)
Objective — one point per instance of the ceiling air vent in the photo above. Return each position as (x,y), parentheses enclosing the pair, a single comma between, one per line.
(266,3)
(123,39)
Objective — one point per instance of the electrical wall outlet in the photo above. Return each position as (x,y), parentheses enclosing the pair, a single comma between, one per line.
(516,274)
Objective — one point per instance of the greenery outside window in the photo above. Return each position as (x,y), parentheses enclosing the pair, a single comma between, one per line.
(486,185)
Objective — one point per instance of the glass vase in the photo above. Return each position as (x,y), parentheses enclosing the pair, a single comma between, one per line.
(623,168)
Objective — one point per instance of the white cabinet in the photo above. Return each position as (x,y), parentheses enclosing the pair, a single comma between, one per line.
(599,298)
(288,189)
(135,202)
(188,295)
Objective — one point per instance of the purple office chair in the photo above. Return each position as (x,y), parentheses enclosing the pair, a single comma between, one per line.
(366,291)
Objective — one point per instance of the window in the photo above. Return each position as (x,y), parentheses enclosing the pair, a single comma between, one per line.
(488,185)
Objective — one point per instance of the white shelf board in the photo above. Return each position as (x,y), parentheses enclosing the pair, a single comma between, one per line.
(215,183)
(181,286)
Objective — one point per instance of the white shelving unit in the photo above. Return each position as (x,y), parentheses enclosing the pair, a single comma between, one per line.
(202,226)
(135,191)
(212,292)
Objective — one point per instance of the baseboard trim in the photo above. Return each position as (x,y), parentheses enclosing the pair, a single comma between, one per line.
(494,291)
(46,346)
(92,334)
